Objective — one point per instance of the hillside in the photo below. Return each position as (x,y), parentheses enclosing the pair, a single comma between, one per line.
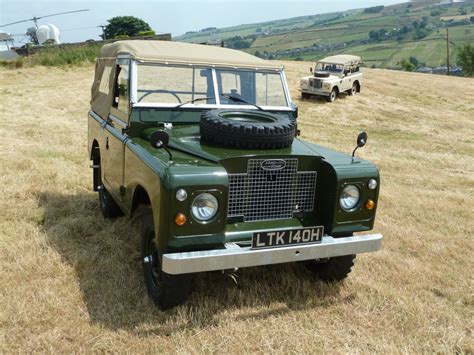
(71,281)
(382,36)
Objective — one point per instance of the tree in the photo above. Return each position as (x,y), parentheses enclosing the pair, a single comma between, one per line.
(125,25)
(414,61)
(406,65)
(465,59)
(471,19)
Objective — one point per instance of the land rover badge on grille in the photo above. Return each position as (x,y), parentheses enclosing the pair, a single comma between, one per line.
(273,164)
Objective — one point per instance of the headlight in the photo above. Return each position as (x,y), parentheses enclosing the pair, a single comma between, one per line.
(349,198)
(204,207)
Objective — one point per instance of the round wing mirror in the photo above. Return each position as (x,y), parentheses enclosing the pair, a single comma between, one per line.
(362,139)
(159,139)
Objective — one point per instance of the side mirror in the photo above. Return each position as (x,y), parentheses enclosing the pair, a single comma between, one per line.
(159,139)
(361,141)
(311,70)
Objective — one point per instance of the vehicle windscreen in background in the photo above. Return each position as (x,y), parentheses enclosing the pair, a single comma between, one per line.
(174,85)
(259,88)
(333,68)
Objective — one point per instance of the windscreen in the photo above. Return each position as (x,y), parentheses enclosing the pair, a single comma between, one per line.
(259,88)
(162,84)
(333,68)
(174,85)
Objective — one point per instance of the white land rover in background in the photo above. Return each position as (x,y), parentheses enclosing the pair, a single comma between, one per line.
(332,76)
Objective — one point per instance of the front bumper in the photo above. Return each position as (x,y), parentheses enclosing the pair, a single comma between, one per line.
(235,256)
(314,91)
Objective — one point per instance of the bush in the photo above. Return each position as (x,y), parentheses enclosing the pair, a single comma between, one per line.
(407,66)
(374,9)
(465,59)
(146,33)
(121,37)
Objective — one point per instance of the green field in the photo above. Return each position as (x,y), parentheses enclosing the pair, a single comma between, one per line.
(316,36)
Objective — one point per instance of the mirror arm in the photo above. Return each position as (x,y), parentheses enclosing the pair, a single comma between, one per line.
(160,145)
(353,152)
(169,153)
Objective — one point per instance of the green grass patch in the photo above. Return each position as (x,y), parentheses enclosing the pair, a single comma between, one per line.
(56,57)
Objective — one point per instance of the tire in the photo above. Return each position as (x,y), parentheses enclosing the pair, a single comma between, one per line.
(166,290)
(305,95)
(247,129)
(353,90)
(107,204)
(332,96)
(333,269)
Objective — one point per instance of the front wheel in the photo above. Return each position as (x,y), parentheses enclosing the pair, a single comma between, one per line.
(333,269)
(332,96)
(353,90)
(166,290)
(305,95)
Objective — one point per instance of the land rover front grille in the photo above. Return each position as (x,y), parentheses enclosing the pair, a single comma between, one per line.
(316,83)
(271,189)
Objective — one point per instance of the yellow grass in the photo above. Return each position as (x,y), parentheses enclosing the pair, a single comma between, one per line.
(71,281)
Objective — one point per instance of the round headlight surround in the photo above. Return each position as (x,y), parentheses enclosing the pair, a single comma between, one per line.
(349,197)
(204,207)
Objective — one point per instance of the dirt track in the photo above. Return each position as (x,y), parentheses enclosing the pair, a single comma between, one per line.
(72,281)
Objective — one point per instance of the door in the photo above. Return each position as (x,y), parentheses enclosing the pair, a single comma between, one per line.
(347,79)
(116,131)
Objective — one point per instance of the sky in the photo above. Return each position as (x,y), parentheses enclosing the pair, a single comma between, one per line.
(175,17)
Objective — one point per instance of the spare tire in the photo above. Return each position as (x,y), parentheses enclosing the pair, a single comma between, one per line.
(246,129)
(321,74)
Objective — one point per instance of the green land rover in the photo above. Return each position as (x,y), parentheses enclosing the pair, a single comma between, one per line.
(203,141)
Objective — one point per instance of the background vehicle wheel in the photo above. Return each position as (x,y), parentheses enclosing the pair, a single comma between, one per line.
(167,291)
(332,96)
(333,269)
(107,204)
(353,90)
(305,95)
(247,129)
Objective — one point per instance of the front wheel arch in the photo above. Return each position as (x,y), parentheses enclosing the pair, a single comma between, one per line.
(140,197)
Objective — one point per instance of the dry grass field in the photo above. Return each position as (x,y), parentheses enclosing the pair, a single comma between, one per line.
(71,281)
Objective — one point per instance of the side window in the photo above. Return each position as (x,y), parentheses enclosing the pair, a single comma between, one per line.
(104,80)
(121,90)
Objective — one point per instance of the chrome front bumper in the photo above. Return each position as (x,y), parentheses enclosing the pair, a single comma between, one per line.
(235,256)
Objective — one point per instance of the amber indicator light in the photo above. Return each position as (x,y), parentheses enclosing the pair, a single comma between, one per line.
(180,219)
(370,205)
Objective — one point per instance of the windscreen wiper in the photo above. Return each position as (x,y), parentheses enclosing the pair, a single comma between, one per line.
(192,101)
(239,99)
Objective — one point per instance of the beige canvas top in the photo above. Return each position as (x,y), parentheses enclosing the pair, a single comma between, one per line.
(162,52)
(186,53)
(342,59)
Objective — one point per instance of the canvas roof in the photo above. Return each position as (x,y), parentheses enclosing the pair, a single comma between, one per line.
(341,59)
(184,53)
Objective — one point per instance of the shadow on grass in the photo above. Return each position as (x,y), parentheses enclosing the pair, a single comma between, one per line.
(106,258)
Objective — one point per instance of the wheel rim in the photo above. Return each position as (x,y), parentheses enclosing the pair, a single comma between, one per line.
(333,95)
(354,89)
